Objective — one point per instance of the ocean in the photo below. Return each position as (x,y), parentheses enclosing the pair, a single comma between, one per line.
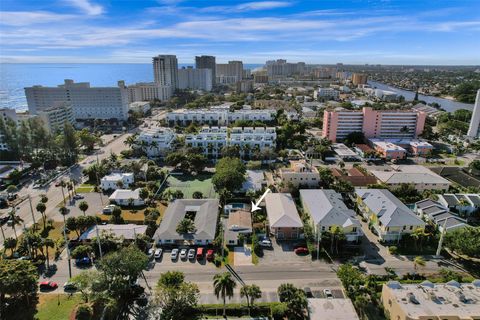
(15,77)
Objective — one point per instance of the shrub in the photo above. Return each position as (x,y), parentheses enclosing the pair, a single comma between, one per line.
(81,251)
(278,311)
(393,250)
(84,312)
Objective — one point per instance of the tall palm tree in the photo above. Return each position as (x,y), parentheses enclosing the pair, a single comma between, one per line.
(83,206)
(250,292)
(41,207)
(16,220)
(48,243)
(223,286)
(62,185)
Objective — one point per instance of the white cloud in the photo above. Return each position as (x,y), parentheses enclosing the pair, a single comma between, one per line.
(25,18)
(248,6)
(87,7)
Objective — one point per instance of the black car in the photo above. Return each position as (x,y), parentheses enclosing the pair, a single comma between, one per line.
(308,292)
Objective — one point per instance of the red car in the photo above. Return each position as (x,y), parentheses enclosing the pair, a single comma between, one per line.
(48,285)
(301,250)
(210,255)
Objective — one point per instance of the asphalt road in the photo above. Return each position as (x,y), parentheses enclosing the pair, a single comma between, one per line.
(53,193)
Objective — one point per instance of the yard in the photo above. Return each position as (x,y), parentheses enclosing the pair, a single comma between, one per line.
(56,306)
(136,215)
(189,184)
(85,188)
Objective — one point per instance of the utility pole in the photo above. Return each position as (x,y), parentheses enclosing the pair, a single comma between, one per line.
(439,248)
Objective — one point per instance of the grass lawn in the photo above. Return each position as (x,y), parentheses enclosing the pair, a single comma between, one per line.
(136,215)
(56,306)
(85,188)
(189,184)
(231,258)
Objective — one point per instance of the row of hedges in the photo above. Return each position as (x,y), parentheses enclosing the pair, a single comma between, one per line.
(261,309)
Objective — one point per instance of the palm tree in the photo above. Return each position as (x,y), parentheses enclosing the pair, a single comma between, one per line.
(223,286)
(48,243)
(62,185)
(250,292)
(185,226)
(418,262)
(83,206)
(16,220)
(130,141)
(10,243)
(64,211)
(41,207)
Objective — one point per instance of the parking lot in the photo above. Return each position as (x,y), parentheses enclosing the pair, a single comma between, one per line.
(282,252)
(94,205)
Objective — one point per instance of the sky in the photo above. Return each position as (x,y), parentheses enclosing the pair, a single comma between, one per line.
(316,31)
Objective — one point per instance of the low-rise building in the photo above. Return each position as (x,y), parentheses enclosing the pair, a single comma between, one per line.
(128,232)
(388,150)
(325,94)
(126,197)
(327,210)
(425,301)
(438,215)
(344,152)
(203,213)
(300,173)
(464,204)
(239,223)
(390,218)
(116,181)
(366,152)
(284,221)
(155,142)
(209,140)
(139,106)
(331,309)
(420,148)
(253,137)
(354,176)
(420,177)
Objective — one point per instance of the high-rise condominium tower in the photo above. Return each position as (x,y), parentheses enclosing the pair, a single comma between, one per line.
(165,70)
(206,62)
(473,130)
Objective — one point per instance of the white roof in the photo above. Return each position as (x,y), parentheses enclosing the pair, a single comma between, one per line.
(116,176)
(327,208)
(125,194)
(127,231)
(409,174)
(281,211)
(331,309)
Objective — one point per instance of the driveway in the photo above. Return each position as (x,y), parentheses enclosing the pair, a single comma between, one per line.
(242,256)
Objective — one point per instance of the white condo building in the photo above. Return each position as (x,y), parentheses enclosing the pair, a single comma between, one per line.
(147,91)
(197,79)
(219,115)
(155,141)
(233,71)
(325,94)
(54,118)
(212,140)
(473,130)
(86,102)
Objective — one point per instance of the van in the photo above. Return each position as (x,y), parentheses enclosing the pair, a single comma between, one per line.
(200,253)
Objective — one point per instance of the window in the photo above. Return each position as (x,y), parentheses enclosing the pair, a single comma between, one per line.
(411,227)
(354,229)
(323,228)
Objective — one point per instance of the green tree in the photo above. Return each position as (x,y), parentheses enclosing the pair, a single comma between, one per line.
(18,289)
(41,207)
(197,195)
(295,300)
(229,174)
(464,241)
(175,298)
(251,293)
(223,286)
(10,243)
(83,206)
(185,226)
(84,282)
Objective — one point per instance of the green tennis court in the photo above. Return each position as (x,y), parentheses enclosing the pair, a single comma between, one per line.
(189,184)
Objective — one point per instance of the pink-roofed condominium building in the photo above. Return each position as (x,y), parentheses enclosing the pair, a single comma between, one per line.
(381,124)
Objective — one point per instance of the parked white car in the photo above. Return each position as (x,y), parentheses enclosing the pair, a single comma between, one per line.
(108,209)
(191,254)
(174,254)
(328,293)
(158,253)
(183,253)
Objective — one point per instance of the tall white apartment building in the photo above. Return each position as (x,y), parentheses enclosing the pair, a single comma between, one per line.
(86,102)
(55,117)
(474,129)
(209,140)
(212,140)
(155,141)
(259,137)
(165,70)
(147,91)
(218,115)
(197,79)
(230,69)
(325,94)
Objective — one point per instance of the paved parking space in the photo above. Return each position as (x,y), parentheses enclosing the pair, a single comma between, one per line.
(242,256)
(281,253)
(94,205)
(166,262)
